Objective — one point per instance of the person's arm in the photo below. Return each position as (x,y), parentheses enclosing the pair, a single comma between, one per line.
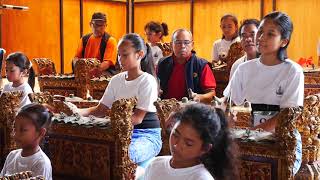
(110,55)
(41,168)
(137,116)
(79,50)
(98,111)
(293,93)
(204,98)
(105,102)
(105,65)
(208,83)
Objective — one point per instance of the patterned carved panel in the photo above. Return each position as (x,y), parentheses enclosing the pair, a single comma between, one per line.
(222,74)
(9,103)
(44,66)
(92,152)
(76,157)
(251,170)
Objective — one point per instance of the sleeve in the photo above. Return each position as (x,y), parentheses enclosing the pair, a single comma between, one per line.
(233,69)
(237,93)
(111,51)
(148,94)
(6,88)
(226,91)
(215,56)
(43,169)
(79,50)
(294,92)
(4,169)
(207,79)
(108,96)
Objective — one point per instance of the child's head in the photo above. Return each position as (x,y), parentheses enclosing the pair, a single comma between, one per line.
(17,66)
(131,49)
(155,31)
(201,135)
(31,125)
(229,26)
(274,34)
(247,33)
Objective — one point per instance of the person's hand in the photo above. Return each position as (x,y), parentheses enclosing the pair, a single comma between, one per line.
(160,92)
(95,72)
(196,97)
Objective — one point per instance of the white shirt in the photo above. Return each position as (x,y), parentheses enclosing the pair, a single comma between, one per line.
(236,64)
(156,54)
(160,169)
(281,84)
(144,88)
(25,88)
(221,47)
(38,163)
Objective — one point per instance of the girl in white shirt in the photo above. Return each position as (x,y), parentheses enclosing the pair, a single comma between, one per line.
(30,126)
(229,27)
(273,81)
(133,82)
(17,66)
(155,32)
(201,147)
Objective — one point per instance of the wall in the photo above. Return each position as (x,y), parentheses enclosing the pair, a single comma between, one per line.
(306,27)
(162,12)
(36,32)
(32,32)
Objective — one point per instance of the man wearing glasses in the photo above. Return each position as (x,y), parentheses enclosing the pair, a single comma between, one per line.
(183,74)
(99,44)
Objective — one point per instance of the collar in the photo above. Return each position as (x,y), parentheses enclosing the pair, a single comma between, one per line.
(175,58)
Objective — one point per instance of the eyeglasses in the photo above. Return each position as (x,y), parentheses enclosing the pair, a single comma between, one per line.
(180,42)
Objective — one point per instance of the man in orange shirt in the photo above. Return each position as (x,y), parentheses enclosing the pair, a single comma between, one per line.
(99,44)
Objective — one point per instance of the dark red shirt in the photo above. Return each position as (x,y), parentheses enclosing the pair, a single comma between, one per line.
(177,86)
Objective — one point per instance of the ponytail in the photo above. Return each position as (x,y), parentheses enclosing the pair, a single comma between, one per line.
(221,159)
(31,78)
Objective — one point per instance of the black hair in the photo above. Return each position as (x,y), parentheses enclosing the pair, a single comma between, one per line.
(22,61)
(146,63)
(255,22)
(285,27)
(136,40)
(212,127)
(235,21)
(157,27)
(100,16)
(38,114)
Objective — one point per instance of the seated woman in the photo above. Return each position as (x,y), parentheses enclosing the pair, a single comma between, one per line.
(272,81)
(133,82)
(200,145)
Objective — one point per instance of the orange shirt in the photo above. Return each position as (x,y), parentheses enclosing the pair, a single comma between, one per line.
(93,49)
